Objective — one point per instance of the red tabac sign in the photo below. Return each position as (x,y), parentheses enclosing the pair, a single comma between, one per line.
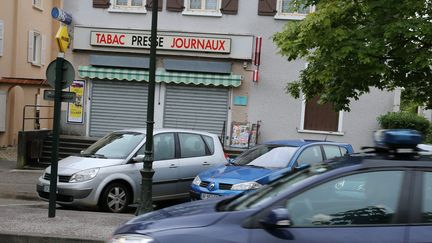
(164,42)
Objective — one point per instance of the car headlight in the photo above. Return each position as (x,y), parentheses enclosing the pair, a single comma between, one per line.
(84,175)
(196,181)
(250,185)
(131,239)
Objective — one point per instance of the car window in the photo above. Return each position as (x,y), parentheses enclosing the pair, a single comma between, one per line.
(311,155)
(271,156)
(210,144)
(427,198)
(191,145)
(360,199)
(343,150)
(164,146)
(116,145)
(331,151)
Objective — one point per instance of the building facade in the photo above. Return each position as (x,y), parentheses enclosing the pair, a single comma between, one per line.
(217,70)
(27,45)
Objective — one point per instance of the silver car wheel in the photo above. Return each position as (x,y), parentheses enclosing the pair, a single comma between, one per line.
(115,198)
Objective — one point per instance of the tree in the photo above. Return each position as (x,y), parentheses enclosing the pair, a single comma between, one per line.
(353,45)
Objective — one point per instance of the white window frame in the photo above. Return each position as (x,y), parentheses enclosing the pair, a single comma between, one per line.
(202,12)
(36,50)
(114,8)
(301,129)
(291,16)
(1,37)
(37,4)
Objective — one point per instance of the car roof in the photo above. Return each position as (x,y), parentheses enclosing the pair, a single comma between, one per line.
(162,130)
(300,142)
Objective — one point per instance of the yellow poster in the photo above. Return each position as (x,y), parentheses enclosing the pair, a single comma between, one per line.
(75,112)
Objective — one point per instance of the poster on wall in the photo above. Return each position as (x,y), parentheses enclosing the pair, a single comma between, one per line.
(240,134)
(75,111)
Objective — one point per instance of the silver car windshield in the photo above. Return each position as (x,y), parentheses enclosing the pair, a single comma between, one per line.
(268,156)
(116,145)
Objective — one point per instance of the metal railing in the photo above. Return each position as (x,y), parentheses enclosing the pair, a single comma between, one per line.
(33,118)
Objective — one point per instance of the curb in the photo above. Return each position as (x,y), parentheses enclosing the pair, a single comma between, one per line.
(34,238)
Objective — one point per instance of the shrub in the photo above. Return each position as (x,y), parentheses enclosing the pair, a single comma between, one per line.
(406,120)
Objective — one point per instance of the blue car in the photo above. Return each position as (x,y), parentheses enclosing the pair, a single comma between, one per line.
(382,195)
(262,164)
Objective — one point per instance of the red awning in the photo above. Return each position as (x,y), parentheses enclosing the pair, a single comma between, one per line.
(25,81)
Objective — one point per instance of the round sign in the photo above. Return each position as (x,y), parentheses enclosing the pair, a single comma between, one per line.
(68,74)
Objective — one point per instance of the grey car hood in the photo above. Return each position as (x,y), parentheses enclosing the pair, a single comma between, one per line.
(73,164)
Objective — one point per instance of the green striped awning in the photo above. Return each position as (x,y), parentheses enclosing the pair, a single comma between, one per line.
(229,80)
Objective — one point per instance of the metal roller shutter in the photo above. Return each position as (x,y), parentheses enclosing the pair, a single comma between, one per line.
(198,108)
(117,105)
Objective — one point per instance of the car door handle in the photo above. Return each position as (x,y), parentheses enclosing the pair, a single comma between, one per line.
(205,163)
(173,166)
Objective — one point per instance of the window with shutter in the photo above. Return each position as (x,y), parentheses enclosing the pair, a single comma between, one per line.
(320,117)
(128,6)
(285,10)
(1,37)
(34,50)
(101,3)
(229,6)
(150,5)
(175,5)
(203,7)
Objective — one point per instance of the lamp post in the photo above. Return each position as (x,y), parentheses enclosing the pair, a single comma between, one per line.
(147,171)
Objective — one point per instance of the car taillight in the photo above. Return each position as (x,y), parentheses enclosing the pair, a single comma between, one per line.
(226,156)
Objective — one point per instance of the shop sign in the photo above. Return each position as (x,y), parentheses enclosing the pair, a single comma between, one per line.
(163,42)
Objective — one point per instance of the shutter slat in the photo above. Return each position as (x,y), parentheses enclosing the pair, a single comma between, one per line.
(117,105)
(267,7)
(229,6)
(175,5)
(198,108)
(101,3)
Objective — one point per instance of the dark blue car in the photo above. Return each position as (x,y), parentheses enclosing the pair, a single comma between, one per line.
(262,164)
(383,195)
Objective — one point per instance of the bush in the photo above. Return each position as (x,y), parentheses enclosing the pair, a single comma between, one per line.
(406,120)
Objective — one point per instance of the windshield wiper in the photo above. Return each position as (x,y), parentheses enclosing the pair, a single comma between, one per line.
(99,156)
(256,166)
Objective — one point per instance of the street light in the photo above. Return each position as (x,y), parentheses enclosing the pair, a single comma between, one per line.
(147,171)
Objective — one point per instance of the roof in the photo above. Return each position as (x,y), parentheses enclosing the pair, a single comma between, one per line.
(26,81)
(299,142)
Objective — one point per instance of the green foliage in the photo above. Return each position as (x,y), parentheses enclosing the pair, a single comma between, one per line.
(394,120)
(408,105)
(351,46)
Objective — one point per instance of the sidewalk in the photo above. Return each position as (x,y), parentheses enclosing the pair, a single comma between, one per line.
(24,218)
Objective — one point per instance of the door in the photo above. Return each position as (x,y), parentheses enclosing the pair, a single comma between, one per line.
(165,166)
(355,208)
(194,158)
(310,155)
(421,229)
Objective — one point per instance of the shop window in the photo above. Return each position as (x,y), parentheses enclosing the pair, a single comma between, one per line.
(203,7)
(320,117)
(37,4)
(36,48)
(131,6)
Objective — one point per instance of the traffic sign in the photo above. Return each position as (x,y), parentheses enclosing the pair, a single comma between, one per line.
(68,74)
(61,15)
(62,38)
(65,96)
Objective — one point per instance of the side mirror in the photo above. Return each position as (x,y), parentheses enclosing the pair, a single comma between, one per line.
(277,218)
(138,158)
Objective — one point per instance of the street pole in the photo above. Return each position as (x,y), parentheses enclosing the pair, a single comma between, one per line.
(147,172)
(55,137)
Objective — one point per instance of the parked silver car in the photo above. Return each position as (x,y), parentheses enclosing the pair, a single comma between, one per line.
(107,174)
